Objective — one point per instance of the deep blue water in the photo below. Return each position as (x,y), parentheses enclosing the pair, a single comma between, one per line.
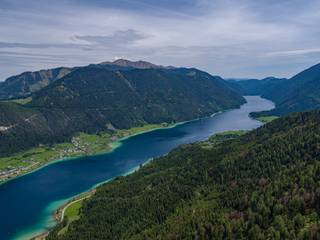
(27,203)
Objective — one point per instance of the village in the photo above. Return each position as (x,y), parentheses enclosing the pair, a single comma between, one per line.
(82,144)
(76,148)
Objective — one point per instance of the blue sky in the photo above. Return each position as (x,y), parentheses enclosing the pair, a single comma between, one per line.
(231,38)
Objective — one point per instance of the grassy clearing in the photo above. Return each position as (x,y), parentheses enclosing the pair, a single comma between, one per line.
(136,130)
(82,144)
(267,119)
(221,137)
(231,133)
(72,211)
(20,100)
(25,161)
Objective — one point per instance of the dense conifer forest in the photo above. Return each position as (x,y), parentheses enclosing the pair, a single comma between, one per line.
(297,94)
(96,98)
(262,185)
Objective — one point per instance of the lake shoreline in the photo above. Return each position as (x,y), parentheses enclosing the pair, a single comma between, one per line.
(61,204)
(114,144)
(58,216)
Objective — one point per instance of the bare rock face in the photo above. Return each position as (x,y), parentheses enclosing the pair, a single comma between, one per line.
(135,64)
(26,83)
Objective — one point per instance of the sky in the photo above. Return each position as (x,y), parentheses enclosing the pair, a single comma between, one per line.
(230,38)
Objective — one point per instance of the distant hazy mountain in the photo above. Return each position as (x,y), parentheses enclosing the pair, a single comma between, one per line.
(27,83)
(256,86)
(95,98)
(132,64)
(300,93)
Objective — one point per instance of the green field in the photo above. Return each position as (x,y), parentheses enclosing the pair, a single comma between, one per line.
(72,211)
(231,133)
(20,100)
(26,161)
(81,144)
(221,137)
(267,119)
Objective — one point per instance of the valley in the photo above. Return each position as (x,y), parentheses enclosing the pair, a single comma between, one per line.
(64,142)
(232,188)
(81,145)
(159,120)
(61,181)
(297,94)
(102,97)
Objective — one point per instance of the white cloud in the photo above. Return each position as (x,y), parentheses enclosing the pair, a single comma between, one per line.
(293,52)
(231,38)
(117,38)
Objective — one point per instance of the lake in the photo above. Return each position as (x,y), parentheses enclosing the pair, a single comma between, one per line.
(28,203)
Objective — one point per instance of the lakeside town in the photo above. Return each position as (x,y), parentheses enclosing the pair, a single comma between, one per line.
(82,144)
(76,148)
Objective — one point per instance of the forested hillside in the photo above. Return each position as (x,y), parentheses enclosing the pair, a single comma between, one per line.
(261,87)
(135,97)
(95,98)
(26,83)
(299,93)
(262,185)
(22,127)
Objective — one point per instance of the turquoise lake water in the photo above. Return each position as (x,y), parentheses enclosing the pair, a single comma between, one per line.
(28,203)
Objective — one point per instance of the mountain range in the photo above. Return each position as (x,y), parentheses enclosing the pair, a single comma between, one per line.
(60,102)
(299,93)
(261,185)
(25,84)
(107,96)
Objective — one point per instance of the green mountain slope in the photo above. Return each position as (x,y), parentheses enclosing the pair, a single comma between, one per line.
(26,83)
(19,126)
(126,98)
(300,93)
(95,98)
(262,185)
(261,87)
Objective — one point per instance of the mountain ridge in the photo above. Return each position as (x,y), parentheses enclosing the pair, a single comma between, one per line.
(299,93)
(93,98)
(261,185)
(134,64)
(29,82)
(26,83)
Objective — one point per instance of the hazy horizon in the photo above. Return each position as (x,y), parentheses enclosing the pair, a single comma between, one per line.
(229,38)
